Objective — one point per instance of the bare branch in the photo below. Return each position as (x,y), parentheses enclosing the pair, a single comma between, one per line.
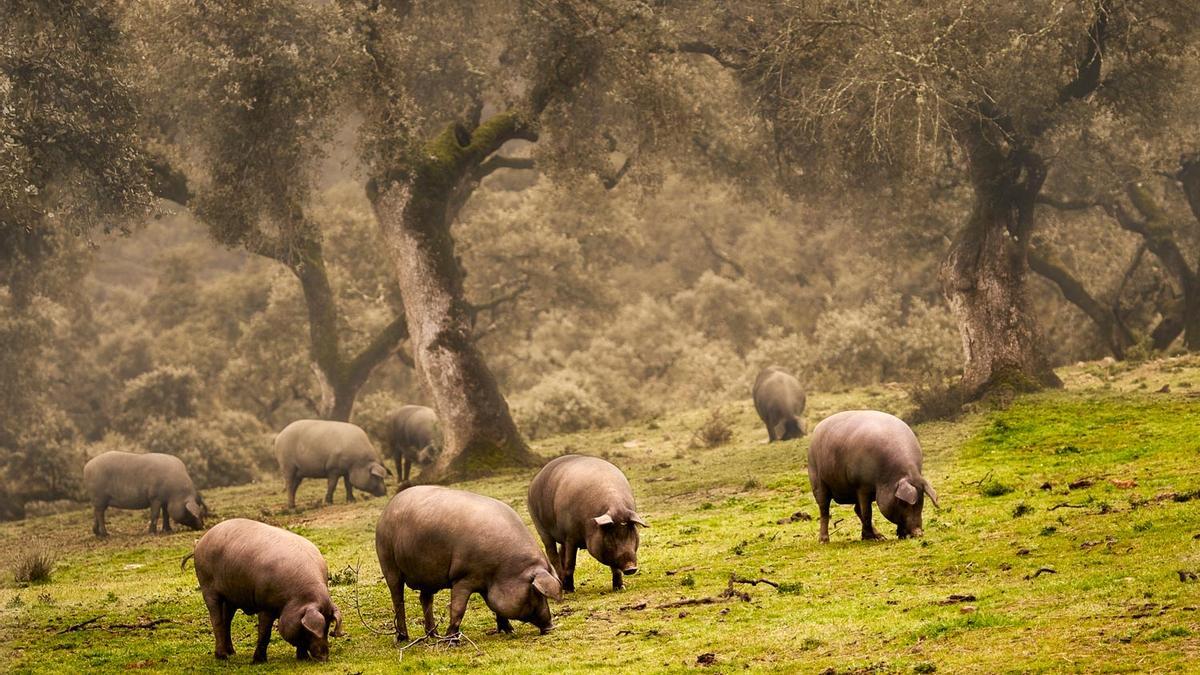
(497,162)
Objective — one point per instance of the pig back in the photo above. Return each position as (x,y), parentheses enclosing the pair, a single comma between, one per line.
(130,480)
(574,488)
(777,393)
(257,566)
(862,447)
(315,447)
(435,536)
(411,427)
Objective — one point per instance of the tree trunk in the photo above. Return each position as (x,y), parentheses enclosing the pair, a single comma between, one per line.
(339,379)
(984,275)
(1113,331)
(413,207)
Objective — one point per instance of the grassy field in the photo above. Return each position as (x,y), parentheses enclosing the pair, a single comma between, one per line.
(1067,525)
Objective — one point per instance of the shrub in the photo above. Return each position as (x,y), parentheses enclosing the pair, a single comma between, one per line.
(167,393)
(372,411)
(560,403)
(936,400)
(33,567)
(991,487)
(716,430)
(234,449)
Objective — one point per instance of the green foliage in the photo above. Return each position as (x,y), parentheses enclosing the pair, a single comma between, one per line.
(167,393)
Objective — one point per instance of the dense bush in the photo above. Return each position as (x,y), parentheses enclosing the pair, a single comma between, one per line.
(167,393)
(233,449)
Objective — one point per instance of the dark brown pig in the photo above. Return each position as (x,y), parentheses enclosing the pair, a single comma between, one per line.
(259,569)
(128,480)
(329,450)
(430,538)
(585,502)
(779,400)
(413,437)
(860,456)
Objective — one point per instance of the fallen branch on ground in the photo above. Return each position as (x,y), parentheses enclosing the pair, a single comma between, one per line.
(81,625)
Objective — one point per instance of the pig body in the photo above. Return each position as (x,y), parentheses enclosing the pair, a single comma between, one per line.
(432,538)
(860,456)
(329,450)
(779,400)
(269,572)
(127,480)
(413,437)
(585,502)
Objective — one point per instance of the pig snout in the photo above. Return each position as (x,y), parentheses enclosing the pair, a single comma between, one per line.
(630,569)
(318,650)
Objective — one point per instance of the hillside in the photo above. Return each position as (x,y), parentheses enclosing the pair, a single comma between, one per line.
(1067,527)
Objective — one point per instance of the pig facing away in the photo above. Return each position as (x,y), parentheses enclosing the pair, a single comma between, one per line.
(430,538)
(127,480)
(413,437)
(259,569)
(779,400)
(860,456)
(329,450)
(585,502)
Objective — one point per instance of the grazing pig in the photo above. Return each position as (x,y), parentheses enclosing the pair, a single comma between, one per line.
(128,480)
(779,400)
(413,437)
(329,450)
(585,502)
(860,456)
(264,570)
(432,538)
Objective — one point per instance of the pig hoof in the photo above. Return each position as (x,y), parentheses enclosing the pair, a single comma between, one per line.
(401,637)
(221,656)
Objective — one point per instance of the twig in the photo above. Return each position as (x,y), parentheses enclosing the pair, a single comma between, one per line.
(138,626)
(735,579)
(358,609)
(981,481)
(690,601)
(81,625)
(1065,505)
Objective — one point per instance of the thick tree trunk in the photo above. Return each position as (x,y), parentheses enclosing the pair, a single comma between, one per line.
(984,275)
(413,208)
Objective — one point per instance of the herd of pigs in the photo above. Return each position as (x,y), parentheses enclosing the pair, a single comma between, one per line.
(431,538)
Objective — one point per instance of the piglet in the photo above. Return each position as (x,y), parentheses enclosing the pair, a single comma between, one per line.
(276,574)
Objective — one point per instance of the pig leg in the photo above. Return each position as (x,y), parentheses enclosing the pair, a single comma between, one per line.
(166,518)
(503,625)
(407,468)
(551,550)
(216,615)
(98,528)
(618,579)
(459,594)
(331,482)
(349,491)
(863,509)
(569,550)
(155,507)
(265,621)
(395,584)
(293,482)
(227,622)
(823,498)
(427,611)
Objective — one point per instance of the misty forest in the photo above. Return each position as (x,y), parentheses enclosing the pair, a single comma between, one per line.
(363,296)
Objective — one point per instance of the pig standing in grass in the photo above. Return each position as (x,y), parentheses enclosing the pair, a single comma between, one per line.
(585,502)
(127,480)
(329,450)
(779,400)
(860,456)
(259,569)
(413,437)
(432,538)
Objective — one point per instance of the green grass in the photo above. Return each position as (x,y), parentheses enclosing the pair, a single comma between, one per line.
(1082,579)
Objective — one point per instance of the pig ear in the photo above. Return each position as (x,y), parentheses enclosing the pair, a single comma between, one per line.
(905,492)
(930,493)
(337,623)
(379,471)
(603,520)
(637,520)
(547,584)
(193,508)
(313,622)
